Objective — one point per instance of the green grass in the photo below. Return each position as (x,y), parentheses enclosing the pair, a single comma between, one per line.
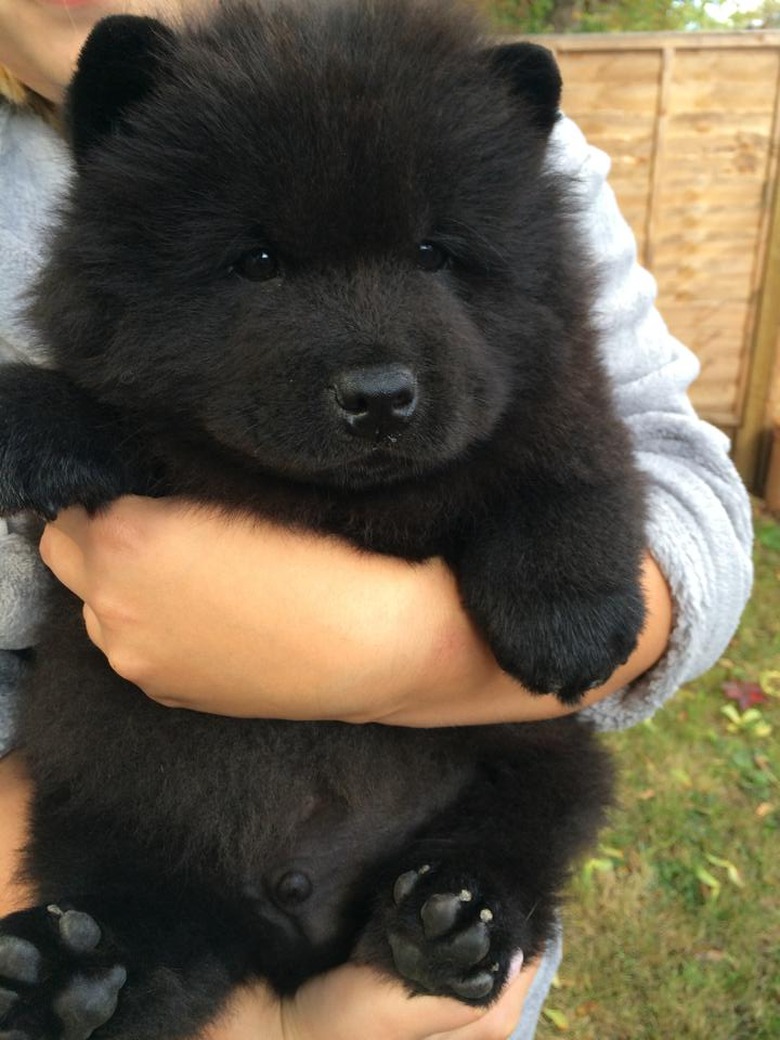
(673,928)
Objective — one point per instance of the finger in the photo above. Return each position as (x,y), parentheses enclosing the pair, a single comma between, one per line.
(63,555)
(355,1001)
(72,522)
(93,627)
(502,1018)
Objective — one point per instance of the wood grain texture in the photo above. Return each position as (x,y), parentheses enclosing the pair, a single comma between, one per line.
(692,125)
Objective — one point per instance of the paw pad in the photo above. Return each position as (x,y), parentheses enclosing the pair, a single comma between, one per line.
(20,961)
(55,978)
(442,938)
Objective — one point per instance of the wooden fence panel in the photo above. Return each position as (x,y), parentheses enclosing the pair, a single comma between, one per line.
(692,124)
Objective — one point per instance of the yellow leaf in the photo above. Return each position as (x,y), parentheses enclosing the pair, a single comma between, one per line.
(770,683)
(709,881)
(558,1019)
(731,871)
(612,852)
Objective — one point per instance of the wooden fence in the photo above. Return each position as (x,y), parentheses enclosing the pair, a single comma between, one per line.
(692,123)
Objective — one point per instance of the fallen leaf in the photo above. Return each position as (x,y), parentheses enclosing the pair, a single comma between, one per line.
(558,1019)
(763,763)
(733,874)
(589,1007)
(770,683)
(611,851)
(746,694)
(764,809)
(646,795)
(709,882)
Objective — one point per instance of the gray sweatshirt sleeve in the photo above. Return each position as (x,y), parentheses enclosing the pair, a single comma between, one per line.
(699,529)
(33,172)
(22,583)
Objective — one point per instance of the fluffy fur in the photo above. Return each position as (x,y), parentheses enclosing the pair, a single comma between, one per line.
(312,268)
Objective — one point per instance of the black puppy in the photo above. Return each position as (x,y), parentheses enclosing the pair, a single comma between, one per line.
(313,267)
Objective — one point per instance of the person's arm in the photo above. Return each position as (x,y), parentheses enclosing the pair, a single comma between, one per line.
(346,1003)
(15,793)
(247,619)
(699,528)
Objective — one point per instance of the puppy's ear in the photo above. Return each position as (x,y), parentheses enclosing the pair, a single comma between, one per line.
(533,76)
(118,66)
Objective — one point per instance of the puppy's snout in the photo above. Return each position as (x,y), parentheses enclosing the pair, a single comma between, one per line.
(376,401)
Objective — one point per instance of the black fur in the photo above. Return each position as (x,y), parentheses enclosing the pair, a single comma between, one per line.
(283,202)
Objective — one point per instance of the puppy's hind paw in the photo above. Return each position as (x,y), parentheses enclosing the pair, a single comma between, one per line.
(58,981)
(445,938)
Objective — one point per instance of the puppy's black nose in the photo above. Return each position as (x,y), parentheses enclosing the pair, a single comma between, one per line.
(376,401)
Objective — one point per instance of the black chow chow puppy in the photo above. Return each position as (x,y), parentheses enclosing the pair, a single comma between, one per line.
(313,268)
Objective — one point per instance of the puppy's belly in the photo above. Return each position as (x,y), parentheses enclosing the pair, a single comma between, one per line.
(282,819)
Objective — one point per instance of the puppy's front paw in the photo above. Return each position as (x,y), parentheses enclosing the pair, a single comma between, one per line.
(571,646)
(51,485)
(57,447)
(555,635)
(59,979)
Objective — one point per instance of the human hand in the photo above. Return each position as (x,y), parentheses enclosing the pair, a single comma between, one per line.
(242,617)
(15,795)
(353,1001)
(245,618)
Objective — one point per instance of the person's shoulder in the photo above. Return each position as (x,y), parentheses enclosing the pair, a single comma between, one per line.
(32,150)
(34,172)
(570,153)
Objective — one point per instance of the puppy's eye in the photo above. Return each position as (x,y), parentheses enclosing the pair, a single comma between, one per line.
(431,257)
(259,265)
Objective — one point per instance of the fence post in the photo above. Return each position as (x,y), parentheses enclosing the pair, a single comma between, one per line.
(754,437)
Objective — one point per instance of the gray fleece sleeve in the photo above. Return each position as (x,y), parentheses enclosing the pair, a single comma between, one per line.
(22,583)
(33,174)
(699,528)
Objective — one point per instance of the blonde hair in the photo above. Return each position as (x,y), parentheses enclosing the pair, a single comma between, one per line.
(17,94)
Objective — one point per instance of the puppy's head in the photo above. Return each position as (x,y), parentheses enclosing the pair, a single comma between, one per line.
(318,233)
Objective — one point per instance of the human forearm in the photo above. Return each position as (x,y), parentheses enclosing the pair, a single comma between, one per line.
(14,801)
(259,621)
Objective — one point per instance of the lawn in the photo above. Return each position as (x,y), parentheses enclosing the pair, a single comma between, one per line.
(673,927)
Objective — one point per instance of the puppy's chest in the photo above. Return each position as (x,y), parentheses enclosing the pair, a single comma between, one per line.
(412,519)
